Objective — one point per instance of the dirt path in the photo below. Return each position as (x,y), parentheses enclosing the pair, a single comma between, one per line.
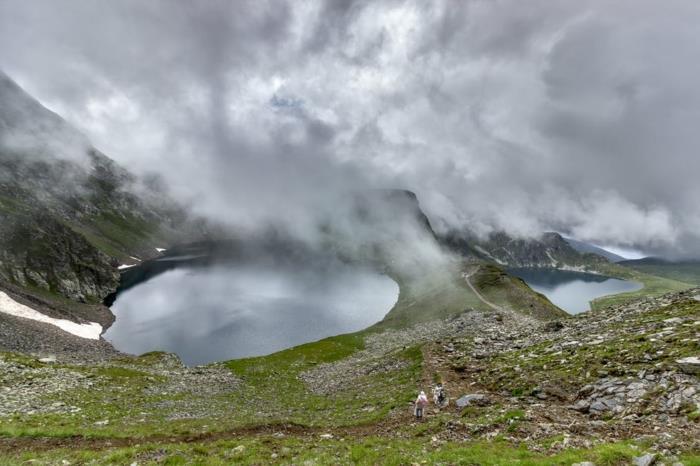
(478,295)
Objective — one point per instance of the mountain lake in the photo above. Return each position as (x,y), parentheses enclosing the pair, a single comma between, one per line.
(221,311)
(572,291)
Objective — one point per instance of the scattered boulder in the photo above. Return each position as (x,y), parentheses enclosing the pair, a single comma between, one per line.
(645,460)
(553,326)
(581,406)
(689,365)
(475,399)
(551,391)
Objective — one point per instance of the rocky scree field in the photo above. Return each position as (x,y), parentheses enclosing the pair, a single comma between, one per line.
(611,386)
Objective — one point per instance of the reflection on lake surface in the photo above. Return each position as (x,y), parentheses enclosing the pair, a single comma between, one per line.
(219,312)
(572,291)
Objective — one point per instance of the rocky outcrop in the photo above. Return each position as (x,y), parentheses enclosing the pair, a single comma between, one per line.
(690,365)
(548,250)
(68,213)
(38,251)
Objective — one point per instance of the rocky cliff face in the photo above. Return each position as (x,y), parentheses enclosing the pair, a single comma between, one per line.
(549,250)
(68,214)
(40,252)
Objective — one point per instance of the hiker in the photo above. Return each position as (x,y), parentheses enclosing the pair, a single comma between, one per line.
(421,403)
(439,395)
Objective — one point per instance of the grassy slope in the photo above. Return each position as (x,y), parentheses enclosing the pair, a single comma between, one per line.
(575,367)
(652,286)
(274,394)
(271,391)
(683,272)
(128,395)
(365,451)
(443,293)
(511,292)
(119,236)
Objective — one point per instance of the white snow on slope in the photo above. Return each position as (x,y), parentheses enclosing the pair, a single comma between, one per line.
(160,249)
(9,306)
(126,266)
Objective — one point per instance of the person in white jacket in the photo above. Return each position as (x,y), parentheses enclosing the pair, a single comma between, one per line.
(439,395)
(421,403)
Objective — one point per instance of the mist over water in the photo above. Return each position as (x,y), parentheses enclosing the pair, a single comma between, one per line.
(233,311)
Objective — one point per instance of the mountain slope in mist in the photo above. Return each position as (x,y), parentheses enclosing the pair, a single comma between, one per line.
(549,250)
(583,247)
(68,214)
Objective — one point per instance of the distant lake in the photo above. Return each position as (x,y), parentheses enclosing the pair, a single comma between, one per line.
(220,311)
(572,291)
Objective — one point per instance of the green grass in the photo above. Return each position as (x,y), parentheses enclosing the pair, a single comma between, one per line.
(437,294)
(652,286)
(273,392)
(444,293)
(11,205)
(513,293)
(576,366)
(136,400)
(687,272)
(343,451)
(117,235)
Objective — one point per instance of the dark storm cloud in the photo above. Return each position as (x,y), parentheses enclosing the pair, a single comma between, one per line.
(578,116)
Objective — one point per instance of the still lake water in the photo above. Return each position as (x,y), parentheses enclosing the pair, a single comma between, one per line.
(220,312)
(572,291)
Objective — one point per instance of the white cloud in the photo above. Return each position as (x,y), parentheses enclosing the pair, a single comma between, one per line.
(576,116)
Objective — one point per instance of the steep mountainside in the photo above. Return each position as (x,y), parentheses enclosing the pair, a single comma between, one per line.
(68,214)
(584,247)
(549,250)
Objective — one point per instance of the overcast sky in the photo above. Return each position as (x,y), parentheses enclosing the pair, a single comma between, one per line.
(576,116)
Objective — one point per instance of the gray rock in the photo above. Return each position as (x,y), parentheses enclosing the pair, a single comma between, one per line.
(581,406)
(690,365)
(476,399)
(598,406)
(553,326)
(645,460)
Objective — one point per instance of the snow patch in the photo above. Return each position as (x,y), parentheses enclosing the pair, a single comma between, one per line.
(161,249)
(126,266)
(487,254)
(9,306)
(135,258)
(553,262)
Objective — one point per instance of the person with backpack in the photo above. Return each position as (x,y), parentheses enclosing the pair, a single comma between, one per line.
(420,404)
(439,395)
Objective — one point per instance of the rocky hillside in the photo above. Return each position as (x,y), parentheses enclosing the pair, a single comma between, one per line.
(583,247)
(68,214)
(612,387)
(549,250)
(687,271)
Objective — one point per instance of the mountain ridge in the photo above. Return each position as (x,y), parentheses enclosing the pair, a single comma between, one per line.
(68,212)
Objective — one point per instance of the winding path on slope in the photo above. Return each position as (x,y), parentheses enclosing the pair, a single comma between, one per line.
(479,295)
